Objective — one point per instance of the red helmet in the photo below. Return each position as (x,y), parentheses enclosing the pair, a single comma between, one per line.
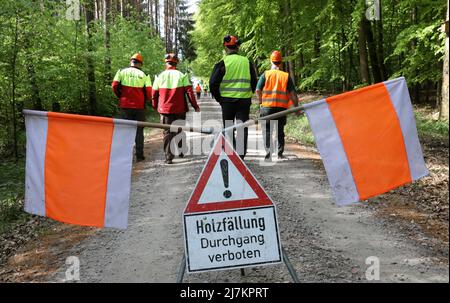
(231,41)
(171,57)
(137,57)
(276,57)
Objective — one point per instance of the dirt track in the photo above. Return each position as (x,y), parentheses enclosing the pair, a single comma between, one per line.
(325,243)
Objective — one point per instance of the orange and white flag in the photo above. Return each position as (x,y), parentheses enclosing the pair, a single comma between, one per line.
(368,140)
(78,168)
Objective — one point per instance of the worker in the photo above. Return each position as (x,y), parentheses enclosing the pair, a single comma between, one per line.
(275,90)
(170,90)
(133,88)
(198,90)
(232,83)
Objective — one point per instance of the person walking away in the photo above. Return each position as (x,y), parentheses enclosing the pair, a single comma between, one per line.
(275,90)
(198,90)
(133,88)
(205,89)
(171,88)
(232,83)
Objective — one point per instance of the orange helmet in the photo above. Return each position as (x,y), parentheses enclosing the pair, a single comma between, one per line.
(231,41)
(171,57)
(276,57)
(137,57)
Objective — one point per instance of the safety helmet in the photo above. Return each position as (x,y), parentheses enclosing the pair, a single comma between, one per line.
(137,57)
(229,40)
(171,57)
(276,57)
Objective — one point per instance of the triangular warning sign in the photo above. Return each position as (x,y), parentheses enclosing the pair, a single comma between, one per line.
(226,183)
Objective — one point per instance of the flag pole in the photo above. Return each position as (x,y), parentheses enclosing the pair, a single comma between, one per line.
(174,128)
(269,117)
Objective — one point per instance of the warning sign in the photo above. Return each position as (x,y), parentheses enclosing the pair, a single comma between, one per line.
(229,221)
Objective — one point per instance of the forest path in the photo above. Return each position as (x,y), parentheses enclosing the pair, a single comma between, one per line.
(325,243)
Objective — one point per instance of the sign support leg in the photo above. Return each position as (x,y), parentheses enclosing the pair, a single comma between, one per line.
(286,261)
(182,270)
(289,266)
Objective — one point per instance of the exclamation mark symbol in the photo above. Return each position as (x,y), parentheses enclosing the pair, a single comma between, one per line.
(224,168)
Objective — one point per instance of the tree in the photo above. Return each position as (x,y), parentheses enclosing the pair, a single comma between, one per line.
(92,98)
(106,21)
(444,110)
(185,27)
(362,48)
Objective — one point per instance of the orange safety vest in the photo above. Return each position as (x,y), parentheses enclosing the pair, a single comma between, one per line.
(275,93)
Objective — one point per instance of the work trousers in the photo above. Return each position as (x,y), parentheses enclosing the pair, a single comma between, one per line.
(234,111)
(137,115)
(169,146)
(268,128)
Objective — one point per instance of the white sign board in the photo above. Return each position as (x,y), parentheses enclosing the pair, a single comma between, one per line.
(229,221)
(235,238)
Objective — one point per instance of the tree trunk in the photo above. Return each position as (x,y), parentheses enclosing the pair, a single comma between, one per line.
(350,67)
(166,24)
(445,91)
(92,100)
(35,98)
(416,86)
(288,34)
(150,16)
(13,93)
(175,27)
(106,21)
(380,46)
(157,21)
(317,45)
(301,64)
(363,59)
(372,51)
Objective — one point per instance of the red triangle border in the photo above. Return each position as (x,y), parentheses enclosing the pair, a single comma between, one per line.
(193,206)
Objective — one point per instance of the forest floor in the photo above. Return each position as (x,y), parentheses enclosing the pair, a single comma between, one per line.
(407,229)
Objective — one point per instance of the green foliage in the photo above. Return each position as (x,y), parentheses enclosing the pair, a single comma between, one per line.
(419,44)
(298,129)
(430,128)
(321,38)
(43,55)
(11,193)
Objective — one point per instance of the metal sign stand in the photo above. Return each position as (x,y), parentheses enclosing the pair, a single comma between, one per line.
(287,262)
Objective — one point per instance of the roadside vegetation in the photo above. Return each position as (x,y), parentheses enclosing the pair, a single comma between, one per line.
(51,59)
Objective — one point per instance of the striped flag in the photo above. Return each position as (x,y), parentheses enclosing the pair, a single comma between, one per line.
(78,168)
(368,140)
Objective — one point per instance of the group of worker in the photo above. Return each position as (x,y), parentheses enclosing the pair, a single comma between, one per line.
(232,84)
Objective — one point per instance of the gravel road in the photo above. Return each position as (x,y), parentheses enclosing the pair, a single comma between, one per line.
(325,243)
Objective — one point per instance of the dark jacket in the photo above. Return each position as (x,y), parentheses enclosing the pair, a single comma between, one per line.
(216,79)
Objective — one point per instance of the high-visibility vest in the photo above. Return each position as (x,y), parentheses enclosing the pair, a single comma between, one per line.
(170,79)
(132,86)
(275,93)
(237,79)
(171,86)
